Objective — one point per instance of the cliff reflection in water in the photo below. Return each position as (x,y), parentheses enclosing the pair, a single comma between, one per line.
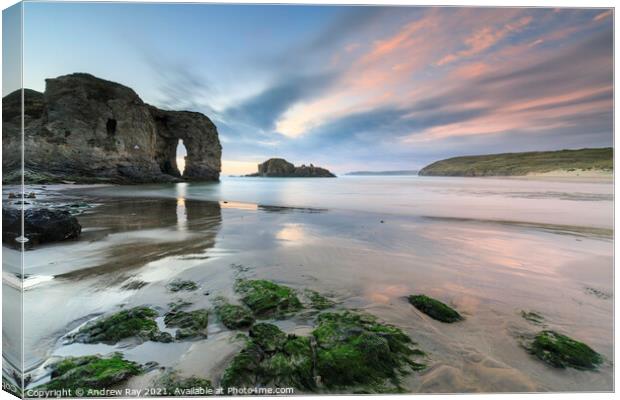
(140,231)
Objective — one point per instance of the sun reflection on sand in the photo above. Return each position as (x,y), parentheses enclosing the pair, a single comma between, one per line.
(385,294)
(181,215)
(181,190)
(239,205)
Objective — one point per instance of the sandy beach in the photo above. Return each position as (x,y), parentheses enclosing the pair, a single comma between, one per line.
(490,269)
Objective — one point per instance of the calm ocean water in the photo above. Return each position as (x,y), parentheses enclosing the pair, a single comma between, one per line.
(572,203)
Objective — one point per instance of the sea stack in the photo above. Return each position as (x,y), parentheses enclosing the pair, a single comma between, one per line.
(280,168)
(86,129)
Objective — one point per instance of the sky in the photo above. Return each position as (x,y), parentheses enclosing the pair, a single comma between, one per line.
(344,87)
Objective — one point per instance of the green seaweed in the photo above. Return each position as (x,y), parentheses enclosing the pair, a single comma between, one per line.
(91,372)
(435,308)
(353,349)
(178,285)
(172,384)
(272,358)
(234,316)
(191,324)
(560,351)
(244,369)
(266,298)
(136,322)
(317,300)
(346,351)
(268,336)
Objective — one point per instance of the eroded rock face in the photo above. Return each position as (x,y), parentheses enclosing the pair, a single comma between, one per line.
(280,168)
(86,129)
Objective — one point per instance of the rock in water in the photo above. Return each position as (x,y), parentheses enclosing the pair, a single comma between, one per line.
(561,351)
(41,225)
(268,299)
(90,372)
(86,129)
(280,168)
(138,323)
(435,308)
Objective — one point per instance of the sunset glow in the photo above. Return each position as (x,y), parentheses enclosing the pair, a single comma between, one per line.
(369,87)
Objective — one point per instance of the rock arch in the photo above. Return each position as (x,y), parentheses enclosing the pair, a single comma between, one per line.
(203,149)
(86,129)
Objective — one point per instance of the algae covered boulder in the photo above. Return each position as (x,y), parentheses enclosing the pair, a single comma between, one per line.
(268,336)
(234,316)
(435,308)
(560,351)
(317,300)
(191,324)
(268,299)
(272,358)
(354,350)
(174,384)
(91,372)
(137,322)
(347,351)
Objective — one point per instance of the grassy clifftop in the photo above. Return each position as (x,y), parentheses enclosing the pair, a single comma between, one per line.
(512,164)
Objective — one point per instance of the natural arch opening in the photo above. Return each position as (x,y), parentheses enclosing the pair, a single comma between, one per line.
(181,153)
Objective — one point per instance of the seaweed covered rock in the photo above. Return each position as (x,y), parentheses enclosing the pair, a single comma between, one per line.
(272,358)
(268,299)
(173,384)
(41,225)
(347,350)
(268,336)
(178,284)
(435,308)
(191,324)
(137,322)
(91,372)
(234,316)
(354,350)
(560,351)
(317,300)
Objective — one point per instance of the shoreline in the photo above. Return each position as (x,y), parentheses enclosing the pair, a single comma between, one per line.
(322,251)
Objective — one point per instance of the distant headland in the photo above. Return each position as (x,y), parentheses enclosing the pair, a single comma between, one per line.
(383,173)
(562,162)
(280,168)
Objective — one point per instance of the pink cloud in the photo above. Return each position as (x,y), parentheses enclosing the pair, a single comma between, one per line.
(603,15)
(485,38)
(401,70)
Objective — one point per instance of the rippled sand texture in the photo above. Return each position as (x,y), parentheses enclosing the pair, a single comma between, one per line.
(489,270)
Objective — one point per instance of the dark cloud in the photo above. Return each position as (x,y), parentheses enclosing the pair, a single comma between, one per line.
(264,109)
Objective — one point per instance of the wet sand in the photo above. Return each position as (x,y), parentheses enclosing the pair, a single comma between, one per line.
(490,270)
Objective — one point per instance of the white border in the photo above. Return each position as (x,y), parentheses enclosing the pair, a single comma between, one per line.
(485,3)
